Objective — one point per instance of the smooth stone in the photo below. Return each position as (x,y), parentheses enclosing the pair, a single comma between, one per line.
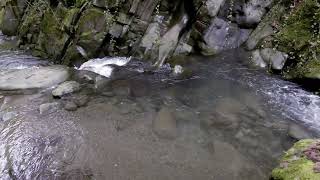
(165,125)
(8,116)
(70,106)
(33,78)
(276,58)
(81,101)
(65,88)
(298,132)
(49,108)
(257,60)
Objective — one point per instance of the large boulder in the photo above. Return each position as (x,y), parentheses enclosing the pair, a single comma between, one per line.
(223,35)
(33,78)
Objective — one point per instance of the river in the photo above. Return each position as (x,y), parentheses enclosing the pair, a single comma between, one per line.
(231,122)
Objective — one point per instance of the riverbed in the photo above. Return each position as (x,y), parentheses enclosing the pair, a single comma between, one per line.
(230,121)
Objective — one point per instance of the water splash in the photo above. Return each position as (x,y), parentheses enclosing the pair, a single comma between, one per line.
(102,66)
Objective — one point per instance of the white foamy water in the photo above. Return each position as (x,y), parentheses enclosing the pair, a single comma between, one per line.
(102,66)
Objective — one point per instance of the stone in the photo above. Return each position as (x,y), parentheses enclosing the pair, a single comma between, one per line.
(275,58)
(298,132)
(82,100)
(48,108)
(151,36)
(10,22)
(165,125)
(116,30)
(257,60)
(8,116)
(65,88)
(266,27)
(254,10)
(222,35)
(213,6)
(33,78)
(70,106)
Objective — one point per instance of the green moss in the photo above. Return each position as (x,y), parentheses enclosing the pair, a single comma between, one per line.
(301,169)
(295,165)
(300,38)
(1,15)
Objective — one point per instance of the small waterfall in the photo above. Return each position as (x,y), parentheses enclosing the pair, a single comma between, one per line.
(170,40)
(102,66)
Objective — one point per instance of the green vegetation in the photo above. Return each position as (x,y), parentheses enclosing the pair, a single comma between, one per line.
(295,165)
(300,38)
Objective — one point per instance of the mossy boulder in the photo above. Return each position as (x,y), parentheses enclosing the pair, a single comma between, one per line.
(55,31)
(301,162)
(300,38)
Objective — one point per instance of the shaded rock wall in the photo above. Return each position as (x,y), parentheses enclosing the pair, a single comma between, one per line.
(69,31)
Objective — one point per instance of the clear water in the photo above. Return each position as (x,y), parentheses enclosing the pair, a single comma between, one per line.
(231,123)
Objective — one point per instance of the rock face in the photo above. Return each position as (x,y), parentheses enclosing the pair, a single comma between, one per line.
(33,78)
(151,29)
(300,162)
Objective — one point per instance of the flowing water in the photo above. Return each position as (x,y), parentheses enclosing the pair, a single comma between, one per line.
(231,122)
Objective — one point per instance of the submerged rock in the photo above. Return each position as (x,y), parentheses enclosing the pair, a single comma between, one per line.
(70,106)
(298,132)
(33,78)
(49,108)
(65,88)
(165,125)
(300,162)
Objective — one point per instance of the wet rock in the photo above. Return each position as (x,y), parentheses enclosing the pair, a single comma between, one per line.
(213,6)
(34,78)
(82,100)
(65,88)
(70,106)
(49,108)
(265,28)
(9,21)
(8,116)
(254,10)
(257,60)
(222,35)
(165,125)
(298,132)
(275,58)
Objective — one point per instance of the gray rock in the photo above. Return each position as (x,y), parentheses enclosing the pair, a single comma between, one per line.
(265,28)
(33,78)
(257,60)
(222,35)
(70,106)
(81,101)
(275,58)
(151,36)
(165,125)
(67,87)
(10,22)
(116,30)
(213,6)
(298,132)
(8,116)
(49,108)
(254,10)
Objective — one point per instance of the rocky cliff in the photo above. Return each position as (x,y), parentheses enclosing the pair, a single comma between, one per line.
(283,36)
